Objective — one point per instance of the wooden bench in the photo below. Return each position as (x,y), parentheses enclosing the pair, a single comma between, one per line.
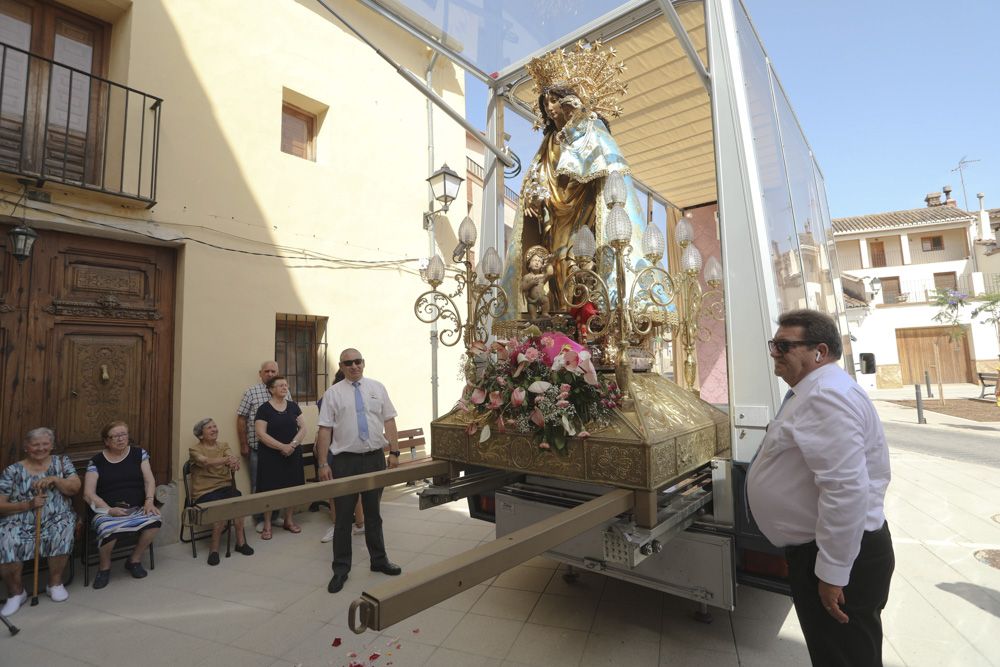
(987,381)
(413,439)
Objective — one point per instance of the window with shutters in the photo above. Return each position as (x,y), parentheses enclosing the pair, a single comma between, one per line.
(49,105)
(298,132)
(948,280)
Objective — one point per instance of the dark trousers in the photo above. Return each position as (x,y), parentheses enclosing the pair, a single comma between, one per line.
(346,465)
(857,643)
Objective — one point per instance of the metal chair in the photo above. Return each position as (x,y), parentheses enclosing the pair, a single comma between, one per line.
(194,531)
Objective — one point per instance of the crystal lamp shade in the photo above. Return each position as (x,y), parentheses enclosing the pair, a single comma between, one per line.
(467,232)
(584,243)
(619,227)
(614,189)
(491,265)
(713,271)
(652,243)
(691,260)
(684,231)
(435,270)
(445,183)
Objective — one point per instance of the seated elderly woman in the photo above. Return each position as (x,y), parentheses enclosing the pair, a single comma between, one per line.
(40,482)
(212,464)
(119,488)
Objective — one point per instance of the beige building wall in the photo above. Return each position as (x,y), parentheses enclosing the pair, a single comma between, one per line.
(348,226)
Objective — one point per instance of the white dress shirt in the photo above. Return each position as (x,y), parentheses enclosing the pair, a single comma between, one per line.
(339,413)
(822,471)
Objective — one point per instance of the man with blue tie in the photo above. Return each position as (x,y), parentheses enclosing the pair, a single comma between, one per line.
(817,488)
(357,420)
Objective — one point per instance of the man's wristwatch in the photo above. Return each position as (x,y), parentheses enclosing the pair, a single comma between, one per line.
(394,453)
(323,465)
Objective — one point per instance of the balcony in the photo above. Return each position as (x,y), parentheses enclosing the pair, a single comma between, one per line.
(58,123)
(924,291)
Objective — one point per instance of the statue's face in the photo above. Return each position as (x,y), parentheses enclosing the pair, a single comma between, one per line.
(556,111)
(535,263)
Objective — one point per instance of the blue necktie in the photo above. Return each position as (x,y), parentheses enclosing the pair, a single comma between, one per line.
(788,396)
(359,407)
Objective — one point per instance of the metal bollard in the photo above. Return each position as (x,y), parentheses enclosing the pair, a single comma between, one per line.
(927,381)
(920,406)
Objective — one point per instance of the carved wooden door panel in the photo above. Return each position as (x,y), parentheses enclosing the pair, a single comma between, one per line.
(86,326)
(100,378)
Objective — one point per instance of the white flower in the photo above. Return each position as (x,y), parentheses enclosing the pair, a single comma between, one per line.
(539,387)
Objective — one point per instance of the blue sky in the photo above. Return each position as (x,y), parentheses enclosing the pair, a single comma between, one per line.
(891,95)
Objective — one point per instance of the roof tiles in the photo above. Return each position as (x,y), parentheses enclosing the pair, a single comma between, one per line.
(914,217)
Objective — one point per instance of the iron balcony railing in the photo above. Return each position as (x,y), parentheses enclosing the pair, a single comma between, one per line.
(477,169)
(63,124)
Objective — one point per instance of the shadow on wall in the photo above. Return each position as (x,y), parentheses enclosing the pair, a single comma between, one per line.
(202,187)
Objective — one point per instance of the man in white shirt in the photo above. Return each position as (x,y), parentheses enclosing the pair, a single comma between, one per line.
(817,487)
(356,422)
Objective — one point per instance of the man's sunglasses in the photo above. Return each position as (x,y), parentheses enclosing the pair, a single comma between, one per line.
(784,346)
(353,362)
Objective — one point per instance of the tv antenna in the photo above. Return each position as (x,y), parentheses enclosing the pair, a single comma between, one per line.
(962,164)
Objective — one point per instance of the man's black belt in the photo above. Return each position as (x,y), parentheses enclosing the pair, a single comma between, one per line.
(368,453)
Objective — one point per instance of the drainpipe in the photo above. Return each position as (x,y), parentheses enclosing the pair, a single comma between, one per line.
(428,78)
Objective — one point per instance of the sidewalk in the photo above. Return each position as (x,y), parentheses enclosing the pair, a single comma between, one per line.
(272,609)
(900,413)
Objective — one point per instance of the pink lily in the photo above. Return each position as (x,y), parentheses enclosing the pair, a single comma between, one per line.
(478,396)
(562,403)
(496,401)
(537,418)
(476,348)
(517,397)
(544,445)
(583,434)
(589,372)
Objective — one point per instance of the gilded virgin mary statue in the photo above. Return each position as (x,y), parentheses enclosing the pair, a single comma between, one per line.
(562,191)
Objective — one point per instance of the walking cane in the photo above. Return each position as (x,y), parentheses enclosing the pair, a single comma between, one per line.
(10,626)
(38,542)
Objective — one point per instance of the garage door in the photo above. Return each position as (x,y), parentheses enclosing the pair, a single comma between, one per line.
(916,354)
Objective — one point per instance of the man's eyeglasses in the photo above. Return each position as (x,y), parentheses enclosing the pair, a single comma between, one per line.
(353,362)
(784,346)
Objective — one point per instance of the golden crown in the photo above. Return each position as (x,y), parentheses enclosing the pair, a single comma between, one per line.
(587,71)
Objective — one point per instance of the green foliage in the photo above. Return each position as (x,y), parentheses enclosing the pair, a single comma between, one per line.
(951,302)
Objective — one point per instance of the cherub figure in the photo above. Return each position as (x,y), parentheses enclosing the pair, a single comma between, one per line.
(538,270)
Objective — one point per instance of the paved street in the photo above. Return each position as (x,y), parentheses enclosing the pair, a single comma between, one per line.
(273,609)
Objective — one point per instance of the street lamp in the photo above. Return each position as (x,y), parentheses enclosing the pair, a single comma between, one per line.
(444,184)
(22,240)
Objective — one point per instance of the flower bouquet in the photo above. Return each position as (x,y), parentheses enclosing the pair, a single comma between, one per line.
(543,384)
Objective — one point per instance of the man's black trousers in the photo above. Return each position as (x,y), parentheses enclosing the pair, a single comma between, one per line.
(857,643)
(346,465)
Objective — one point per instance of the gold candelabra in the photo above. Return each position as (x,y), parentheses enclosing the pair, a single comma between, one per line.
(656,298)
(485,300)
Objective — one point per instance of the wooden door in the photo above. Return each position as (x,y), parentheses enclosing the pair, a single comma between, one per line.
(88,340)
(916,354)
(876,253)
